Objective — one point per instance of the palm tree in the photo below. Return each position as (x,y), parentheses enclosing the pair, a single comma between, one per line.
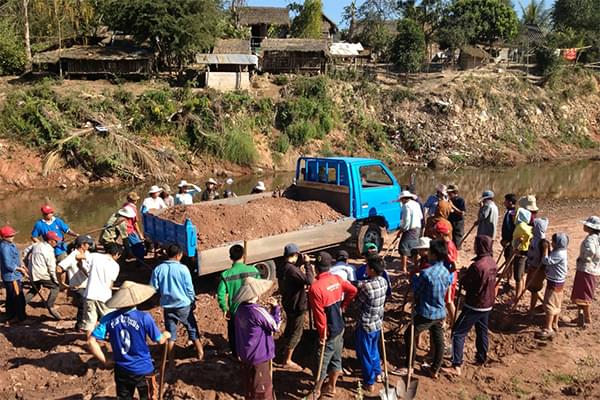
(535,13)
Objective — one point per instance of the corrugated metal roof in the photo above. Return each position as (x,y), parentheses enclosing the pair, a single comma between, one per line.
(227,59)
(343,49)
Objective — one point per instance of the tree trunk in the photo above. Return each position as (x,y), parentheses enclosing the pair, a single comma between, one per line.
(58,25)
(27,37)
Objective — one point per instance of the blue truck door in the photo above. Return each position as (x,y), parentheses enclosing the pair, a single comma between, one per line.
(377,193)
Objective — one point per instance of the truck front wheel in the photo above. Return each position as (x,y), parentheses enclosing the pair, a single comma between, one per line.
(369,233)
(266,269)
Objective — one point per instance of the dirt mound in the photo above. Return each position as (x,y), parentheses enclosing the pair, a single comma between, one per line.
(220,224)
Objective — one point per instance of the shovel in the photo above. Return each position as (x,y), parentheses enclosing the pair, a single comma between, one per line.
(408,390)
(163,364)
(386,393)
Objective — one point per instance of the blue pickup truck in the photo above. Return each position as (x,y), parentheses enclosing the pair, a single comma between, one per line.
(363,190)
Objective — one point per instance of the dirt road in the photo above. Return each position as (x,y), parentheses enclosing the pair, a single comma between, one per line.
(46,360)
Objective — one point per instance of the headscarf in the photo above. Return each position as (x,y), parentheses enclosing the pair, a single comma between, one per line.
(444,209)
(534,253)
(522,216)
(483,246)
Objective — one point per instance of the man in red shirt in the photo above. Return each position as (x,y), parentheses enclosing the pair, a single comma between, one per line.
(328,296)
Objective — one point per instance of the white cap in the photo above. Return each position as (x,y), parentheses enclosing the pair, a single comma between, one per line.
(154,189)
(260,185)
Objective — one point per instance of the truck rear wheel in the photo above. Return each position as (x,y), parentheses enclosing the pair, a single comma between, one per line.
(369,233)
(266,269)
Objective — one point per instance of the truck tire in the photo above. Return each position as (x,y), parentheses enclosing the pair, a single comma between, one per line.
(266,269)
(370,232)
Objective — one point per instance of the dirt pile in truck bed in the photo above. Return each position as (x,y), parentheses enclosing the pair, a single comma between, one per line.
(219,224)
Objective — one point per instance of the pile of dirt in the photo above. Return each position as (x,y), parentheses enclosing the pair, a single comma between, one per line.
(219,224)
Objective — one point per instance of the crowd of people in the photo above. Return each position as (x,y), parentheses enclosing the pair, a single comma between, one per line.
(448,301)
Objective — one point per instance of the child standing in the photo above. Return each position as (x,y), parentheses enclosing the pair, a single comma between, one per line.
(556,274)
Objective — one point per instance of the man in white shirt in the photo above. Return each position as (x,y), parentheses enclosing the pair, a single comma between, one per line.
(41,261)
(104,271)
(77,268)
(410,226)
(342,269)
(186,193)
(153,201)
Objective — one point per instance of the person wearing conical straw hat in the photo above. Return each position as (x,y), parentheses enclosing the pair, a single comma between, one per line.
(588,270)
(126,329)
(254,328)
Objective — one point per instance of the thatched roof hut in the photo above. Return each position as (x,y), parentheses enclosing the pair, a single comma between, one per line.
(232,46)
(473,57)
(276,16)
(295,55)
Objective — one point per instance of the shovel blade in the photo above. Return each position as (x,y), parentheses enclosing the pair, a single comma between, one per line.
(387,394)
(407,393)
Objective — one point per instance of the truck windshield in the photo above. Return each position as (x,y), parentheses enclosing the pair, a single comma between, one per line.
(373,176)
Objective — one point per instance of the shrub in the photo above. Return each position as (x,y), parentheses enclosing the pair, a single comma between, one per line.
(238,147)
(281,80)
(281,144)
(12,51)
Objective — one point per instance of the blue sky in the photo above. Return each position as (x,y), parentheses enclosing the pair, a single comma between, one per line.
(334,8)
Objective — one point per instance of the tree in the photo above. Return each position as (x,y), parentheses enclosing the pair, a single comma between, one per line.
(478,21)
(12,50)
(375,24)
(408,49)
(428,14)
(581,15)
(176,30)
(308,24)
(535,13)
(349,16)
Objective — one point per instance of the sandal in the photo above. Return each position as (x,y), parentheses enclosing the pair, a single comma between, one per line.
(379,378)
(544,334)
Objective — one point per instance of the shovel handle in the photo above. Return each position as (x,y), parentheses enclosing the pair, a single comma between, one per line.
(163,365)
(385,366)
(320,369)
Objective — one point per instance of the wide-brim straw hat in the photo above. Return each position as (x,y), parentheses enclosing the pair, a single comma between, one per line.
(126,212)
(252,288)
(130,294)
(406,194)
(529,203)
(211,180)
(133,196)
(154,189)
(182,183)
(260,186)
(592,222)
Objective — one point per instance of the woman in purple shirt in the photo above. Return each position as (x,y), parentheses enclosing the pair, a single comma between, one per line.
(254,328)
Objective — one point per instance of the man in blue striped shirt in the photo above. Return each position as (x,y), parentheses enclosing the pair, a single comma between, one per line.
(430,288)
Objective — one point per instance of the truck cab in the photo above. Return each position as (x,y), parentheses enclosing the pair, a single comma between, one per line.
(361,188)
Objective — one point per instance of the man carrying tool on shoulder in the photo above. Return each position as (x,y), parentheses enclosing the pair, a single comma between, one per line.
(325,298)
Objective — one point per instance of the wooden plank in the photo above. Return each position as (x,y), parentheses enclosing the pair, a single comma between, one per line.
(271,247)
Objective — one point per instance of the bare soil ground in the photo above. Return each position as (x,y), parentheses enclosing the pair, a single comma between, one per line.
(45,359)
(226,223)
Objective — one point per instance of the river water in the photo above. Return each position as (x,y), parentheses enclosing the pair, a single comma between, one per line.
(88,208)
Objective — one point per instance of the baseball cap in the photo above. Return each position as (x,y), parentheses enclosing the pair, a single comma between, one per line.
(82,239)
(342,255)
(51,235)
(370,247)
(324,260)
(290,249)
(47,209)
(7,231)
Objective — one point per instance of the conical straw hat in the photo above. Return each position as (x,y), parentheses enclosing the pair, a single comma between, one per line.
(130,294)
(252,288)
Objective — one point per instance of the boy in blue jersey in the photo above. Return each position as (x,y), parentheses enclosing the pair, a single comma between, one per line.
(126,329)
(48,223)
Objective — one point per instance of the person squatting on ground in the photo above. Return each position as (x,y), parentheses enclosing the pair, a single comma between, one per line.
(48,223)
(254,328)
(104,271)
(521,240)
(115,227)
(479,282)
(126,329)
(371,300)
(41,261)
(295,275)
(429,288)
(535,269)
(230,283)
(588,270)
(77,267)
(173,281)
(457,217)
(329,295)
(410,226)
(12,271)
(556,266)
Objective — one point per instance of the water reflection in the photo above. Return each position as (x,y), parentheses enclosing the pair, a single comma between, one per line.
(86,209)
